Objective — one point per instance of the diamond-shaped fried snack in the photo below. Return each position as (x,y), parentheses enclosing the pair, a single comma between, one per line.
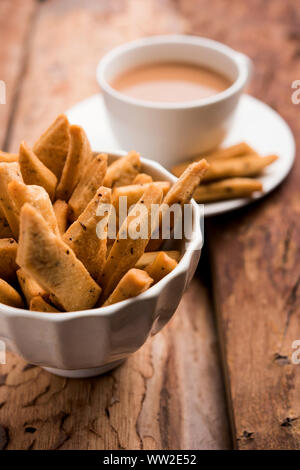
(53,145)
(53,264)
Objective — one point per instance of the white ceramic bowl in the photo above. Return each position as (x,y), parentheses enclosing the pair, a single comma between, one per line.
(171,132)
(90,342)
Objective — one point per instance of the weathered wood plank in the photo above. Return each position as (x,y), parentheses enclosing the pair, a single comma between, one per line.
(16,23)
(170,393)
(255,252)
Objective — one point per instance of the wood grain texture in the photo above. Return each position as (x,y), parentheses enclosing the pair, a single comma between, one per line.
(61,65)
(255,252)
(170,393)
(16,21)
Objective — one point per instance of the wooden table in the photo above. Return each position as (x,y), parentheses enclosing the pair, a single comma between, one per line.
(170,394)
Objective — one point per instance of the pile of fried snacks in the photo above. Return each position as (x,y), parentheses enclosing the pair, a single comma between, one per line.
(231,173)
(51,257)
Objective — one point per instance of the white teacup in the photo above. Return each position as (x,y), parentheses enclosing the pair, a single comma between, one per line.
(172,132)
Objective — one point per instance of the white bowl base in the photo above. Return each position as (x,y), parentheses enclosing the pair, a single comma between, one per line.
(83,373)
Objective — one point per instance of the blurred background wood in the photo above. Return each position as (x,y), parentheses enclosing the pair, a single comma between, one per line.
(169,394)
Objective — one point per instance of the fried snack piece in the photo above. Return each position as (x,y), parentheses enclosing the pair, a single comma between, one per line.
(82,235)
(53,145)
(227,189)
(161,266)
(8,157)
(9,172)
(133,283)
(35,172)
(237,150)
(5,231)
(38,197)
(38,304)
(125,252)
(29,286)
(123,171)
(148,257)
(9,296)
(180,193)
(8,253)
(79,154)
(52,263)
(142,178)
(90,181)
(134,192)
(250,165)
(61,210)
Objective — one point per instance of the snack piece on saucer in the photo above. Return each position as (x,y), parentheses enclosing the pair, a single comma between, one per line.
(251,165)
(38,197)
(5,231)
(238,150)
(231,188)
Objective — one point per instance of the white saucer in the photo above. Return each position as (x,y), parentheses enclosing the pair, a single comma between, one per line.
(255,122)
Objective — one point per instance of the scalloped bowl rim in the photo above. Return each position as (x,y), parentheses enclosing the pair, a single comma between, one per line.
(154,291)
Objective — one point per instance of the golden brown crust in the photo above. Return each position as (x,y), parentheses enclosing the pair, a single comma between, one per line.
(52,263)
(9,172)
(125,252)
(8,253)
(133,283)
(90,181)
(227,189)
(161,266)
(148,257)
(29,286)
(61,210)
(38,304)
(82,235)
(35,172)
(180,193)
(236,150)
(38,197)
(123,171)
(79,154)
(9,295)
(53,145)
(142,178)
(251,165)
